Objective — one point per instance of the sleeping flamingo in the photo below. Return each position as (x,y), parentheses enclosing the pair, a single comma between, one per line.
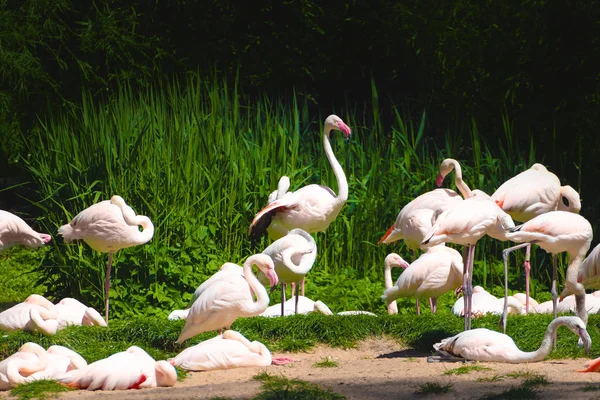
(60,360)
(107,227)
(229,298)
(130,369)
(311,208)
(69,312)
(531,193)
(483,303)
(294,255)
(229,350)
(13,230)
(434,273)
(29,315)
(15,369)
(490,346)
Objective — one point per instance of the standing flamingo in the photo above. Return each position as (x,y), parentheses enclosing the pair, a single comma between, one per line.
(393,260)
(466,223)
(589,271)
(434,273)
(557,232)
(294,255)
(107,227)
(312,207)
(531,193)
(417,217)
(490,346)
(221,303)
(13,230)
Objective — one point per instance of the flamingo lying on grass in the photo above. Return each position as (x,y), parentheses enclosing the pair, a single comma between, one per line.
(229,350)
(13,231)
(130,369)
(534,192)
(484,303)
(490,346)
(15,369)
(107,227)
(229,298)
(60,360)
(29,315)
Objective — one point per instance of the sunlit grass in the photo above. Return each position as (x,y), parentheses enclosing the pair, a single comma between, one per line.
(466,369)
(42,390)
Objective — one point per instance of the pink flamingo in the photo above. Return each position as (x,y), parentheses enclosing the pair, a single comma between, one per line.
(15,369)
(557,232)
(531,193)
(393,260)
(107,227)
(30,315)
(466,223)
(13,230)
(434,273)
(589,271)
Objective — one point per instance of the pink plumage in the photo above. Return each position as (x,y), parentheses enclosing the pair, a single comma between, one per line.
(13,231)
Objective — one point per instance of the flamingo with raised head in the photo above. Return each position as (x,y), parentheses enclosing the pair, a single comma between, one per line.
(229,350)
(490,346)
(13,231)
(393,260)
(533,192)
(434,273)
(130,369)
(294,255)
(16,368)
(107,227)
(312,207)
(229,298)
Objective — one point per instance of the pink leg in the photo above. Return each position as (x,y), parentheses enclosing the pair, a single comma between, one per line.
(464,285)
(107,285)
(281,360)
(470,283)
(527,266)
(302,286)
(418,308)
(282,299)
(433,304)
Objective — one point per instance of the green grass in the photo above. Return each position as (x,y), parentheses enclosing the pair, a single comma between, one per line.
(466,369)
(326,362)
(514,393)
(19,275)
(434,388)
(41,390)
(527,389)
(281,388)
(590,388)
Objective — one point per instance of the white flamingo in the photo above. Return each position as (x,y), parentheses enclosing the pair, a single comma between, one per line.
(13,230)
(30,315)
(392,260)
(15,369)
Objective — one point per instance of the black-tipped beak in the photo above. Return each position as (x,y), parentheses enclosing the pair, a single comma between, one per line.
(586,339)
(272,288)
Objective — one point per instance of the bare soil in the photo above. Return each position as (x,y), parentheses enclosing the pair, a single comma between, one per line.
(377,369)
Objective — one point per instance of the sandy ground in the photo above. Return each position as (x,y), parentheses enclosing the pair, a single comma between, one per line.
(378,369)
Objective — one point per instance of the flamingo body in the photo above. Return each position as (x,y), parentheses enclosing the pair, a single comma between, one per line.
(13,230)
(16,368)
(28,315)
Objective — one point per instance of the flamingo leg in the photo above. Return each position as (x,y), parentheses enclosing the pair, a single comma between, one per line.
(554,293)
(505,254)
(107,285)
(433,304)
(464,284)
(470,281)
(302,286)
(527,266)
(296,305)
(418,307)
(282,299)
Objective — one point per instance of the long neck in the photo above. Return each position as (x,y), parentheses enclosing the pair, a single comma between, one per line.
(44,321)
(18,370)
(546,346)
(393,306)
(575,287)
(337,168)
(262,297)
(138,220)
(458,181)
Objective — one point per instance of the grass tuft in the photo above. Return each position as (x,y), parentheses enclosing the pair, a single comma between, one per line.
(537,380)
(514,393)
(434,388)
(277,388)
(327,362)
(590,388)
(44,389)
(466,369)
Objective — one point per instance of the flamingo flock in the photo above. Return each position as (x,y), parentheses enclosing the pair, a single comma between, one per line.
(429,223)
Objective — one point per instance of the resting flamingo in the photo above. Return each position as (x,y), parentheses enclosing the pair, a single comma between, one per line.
(221,303)
(15,369)
(229,350)
(69,312)
(30,315)
(434,273)
(531,193)
(311,208)
(130,369)
(107,227)
(466,223)
(305,306)
(13,230)
(417,217)
(484,303)
(557,232)
(490,346)
(60,360)
(393,260)
(293,255)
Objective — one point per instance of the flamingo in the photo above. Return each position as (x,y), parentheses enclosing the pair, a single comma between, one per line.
(60,360)
(312,207)
(557,232)
(393,260)
(13,230)
(525,300)
(29,315)
(568,304)
(229,350)
(531,193)
(130,369)
(229,298)
(69,312)
(15,369)
(417,217)
(435,272)
(589,271)
(294,255)
(465,223)
(490,346)
(107,227)
(484,303)
(305,306)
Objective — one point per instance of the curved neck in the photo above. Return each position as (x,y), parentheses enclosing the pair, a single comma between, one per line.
(546,346)
(572,197)
(337,168)
(18,370)
(137,220)
(307,258)
(458,180)
(46,323)
(262,297)
(393,306)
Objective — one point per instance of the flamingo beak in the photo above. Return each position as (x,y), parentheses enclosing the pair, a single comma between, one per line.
(586,339)
(273,279)
(439,180)
(345,129)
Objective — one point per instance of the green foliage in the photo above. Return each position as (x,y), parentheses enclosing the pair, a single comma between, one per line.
(434,388)
(42,390)
(18,266)
(466,369)
(326,362)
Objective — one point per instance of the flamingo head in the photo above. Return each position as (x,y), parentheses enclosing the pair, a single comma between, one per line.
(439,180)
(266,265)
(394,260)
(335,122)
(166,375)
(577,326)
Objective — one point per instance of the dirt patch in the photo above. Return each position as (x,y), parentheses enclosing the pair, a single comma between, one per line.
(377,369)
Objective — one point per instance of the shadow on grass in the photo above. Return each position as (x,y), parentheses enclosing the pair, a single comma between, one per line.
(408,353)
